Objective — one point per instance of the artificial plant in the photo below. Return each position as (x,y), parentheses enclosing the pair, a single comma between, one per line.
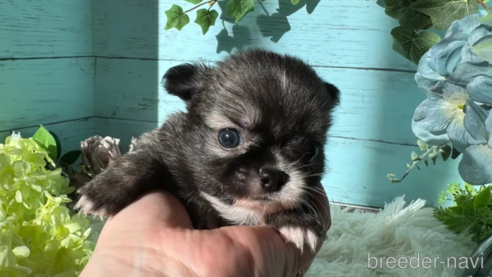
(416,18)
(39,234)
(411,39)
(471,213)
(456,118)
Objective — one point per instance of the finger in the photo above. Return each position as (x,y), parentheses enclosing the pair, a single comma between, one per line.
(156,208)
(268,254)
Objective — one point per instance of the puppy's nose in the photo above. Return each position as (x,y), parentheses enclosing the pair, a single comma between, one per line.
(272,179)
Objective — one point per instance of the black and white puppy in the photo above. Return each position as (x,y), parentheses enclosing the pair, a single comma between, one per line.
(248,151)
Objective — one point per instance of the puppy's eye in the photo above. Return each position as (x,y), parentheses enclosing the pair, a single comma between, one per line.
(313,149)
(229,138)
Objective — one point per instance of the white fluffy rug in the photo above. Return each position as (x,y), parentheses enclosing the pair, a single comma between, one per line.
(399,233)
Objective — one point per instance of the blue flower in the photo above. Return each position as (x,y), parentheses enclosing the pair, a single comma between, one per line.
(439,64)
(476,164)
(456,74)
(452,117)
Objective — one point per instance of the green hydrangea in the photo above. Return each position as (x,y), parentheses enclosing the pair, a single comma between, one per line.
(39,235)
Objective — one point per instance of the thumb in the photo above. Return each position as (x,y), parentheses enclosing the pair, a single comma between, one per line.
(155,208)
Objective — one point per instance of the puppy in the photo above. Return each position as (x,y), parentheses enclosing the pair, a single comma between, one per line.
(247,151)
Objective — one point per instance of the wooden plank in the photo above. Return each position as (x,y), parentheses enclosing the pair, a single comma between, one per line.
(356,169)
(44,91)
(348,34)
(45,28)
(71,133)
(376,105)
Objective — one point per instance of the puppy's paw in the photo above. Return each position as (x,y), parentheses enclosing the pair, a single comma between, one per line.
(300,237)
(303,229)
(91,201)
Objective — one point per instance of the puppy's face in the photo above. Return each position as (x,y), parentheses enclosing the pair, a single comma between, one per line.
(260,120)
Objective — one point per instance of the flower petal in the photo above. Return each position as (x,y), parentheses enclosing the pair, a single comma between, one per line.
(476,165)
(441,53)
(475,122)
(480,89)
(468,56)
(478,34)
(455,93)
(466,72)
(431,119)
(463,27)
(453,60)
(488,126)
(427,78)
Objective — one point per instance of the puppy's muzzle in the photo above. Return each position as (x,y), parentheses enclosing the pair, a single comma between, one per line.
(272,179)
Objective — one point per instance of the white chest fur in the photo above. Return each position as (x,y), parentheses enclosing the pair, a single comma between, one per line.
(236,215)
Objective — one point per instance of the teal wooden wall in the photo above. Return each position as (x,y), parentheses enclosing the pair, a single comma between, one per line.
(94,67)
(47,69)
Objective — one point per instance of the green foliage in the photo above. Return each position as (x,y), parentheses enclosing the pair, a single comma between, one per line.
(412,39)
(235,9)
(444,12)
(206,18)
(46,141)
(176,18)
(239,8)
(430,153)
(471,213)
(412,45)
(39,234)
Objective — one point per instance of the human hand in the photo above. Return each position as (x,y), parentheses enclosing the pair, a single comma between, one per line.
(154,237)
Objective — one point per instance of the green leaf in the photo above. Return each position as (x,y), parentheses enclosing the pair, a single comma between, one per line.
(70,157)
(442,197)
(482,199)
(444,12)
(422,145)
(412,45)
(456,210)
(470,189)
(206,18)
(468,208)
(407,16)
(194,1)
(46,141)
(176,18)
(239,8)
(486,20)
(483,49)
(457,223)
(414,156)
(295,2)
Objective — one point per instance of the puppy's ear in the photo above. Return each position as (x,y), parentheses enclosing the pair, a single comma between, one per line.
(185,80)
(333,92)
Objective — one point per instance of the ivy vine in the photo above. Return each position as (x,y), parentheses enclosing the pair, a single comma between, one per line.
(411,39)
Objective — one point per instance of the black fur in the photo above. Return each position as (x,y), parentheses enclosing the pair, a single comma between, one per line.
(280,105)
